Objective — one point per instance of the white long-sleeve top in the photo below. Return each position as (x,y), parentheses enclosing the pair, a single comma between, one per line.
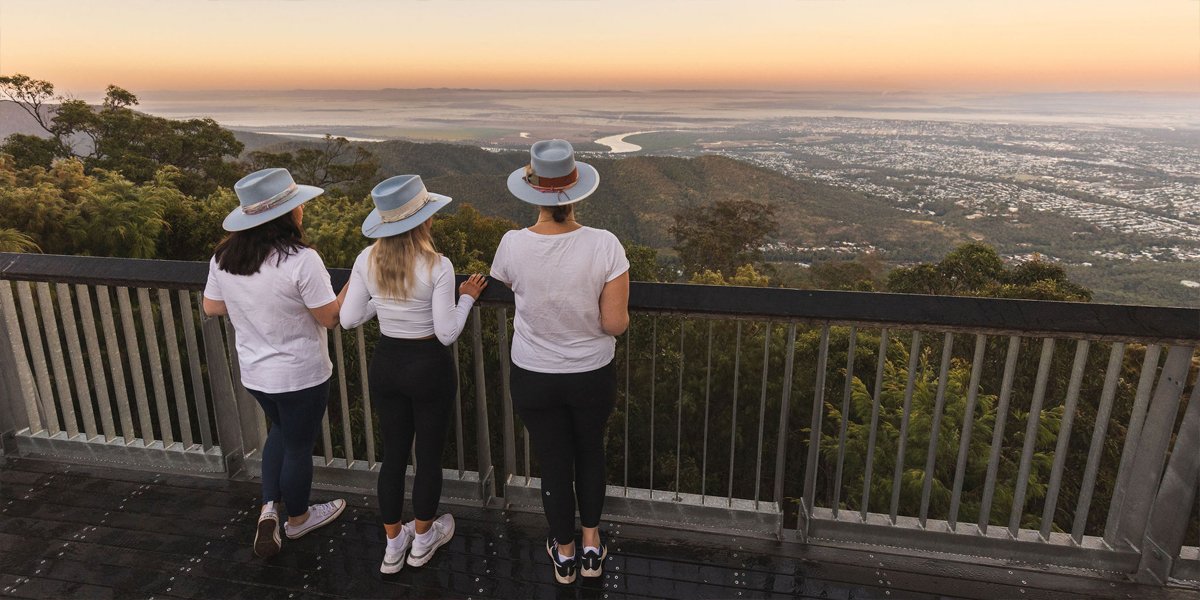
(429,310)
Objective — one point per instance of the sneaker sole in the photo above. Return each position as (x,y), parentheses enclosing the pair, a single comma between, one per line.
(414,561)
(554,563)
(328,520)
(596,572)
(266,540)
(389,569)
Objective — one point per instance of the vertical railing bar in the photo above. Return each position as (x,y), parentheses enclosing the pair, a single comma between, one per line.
(181,410)
(1112,377)
(116,369)
(964,438)
(326,434)
(989,486)
(95,360)
(510,443)
(784,406)
(1035,415)
(1137,418)
(1064,437)
(483,447)
(762,412)
(935,429)
(841,455)
(875,404)
(34,334)
(914,355)
(149,331)
(707,396)
(458,429)
(814,435)
(145,425)
(525,437)
(679,413)
(24,373)
(627,336)
(653,380)
(737,367)
(66,308)
(347,438)
(189,338)
(66,401)
(368,421)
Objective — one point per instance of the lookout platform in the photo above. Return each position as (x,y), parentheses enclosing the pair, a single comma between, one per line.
(75,531)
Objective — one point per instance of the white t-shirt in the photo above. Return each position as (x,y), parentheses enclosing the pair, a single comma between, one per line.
(281,347)
(557,280)
(428,311)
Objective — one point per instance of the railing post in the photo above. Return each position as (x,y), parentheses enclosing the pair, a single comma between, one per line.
(487,482)
(1172,507)
(1151,451)
(16,378)
(510,445)
(229,426)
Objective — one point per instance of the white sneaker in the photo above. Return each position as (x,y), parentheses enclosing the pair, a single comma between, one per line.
(442,529)
(318,515)
(394,555)
(266,539)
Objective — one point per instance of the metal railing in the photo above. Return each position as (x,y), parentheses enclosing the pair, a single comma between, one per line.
(1011,429)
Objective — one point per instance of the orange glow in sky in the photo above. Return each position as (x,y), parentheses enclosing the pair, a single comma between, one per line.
(923,45)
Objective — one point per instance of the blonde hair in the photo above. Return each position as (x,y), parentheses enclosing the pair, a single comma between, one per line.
(395,258)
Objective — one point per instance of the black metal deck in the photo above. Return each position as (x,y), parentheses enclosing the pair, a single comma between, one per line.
(99,532)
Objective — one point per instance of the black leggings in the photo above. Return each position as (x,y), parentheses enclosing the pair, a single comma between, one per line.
(412,387)
(566,414)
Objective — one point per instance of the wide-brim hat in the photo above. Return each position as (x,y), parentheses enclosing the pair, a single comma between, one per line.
(267,195)
(401,203)
(553,176)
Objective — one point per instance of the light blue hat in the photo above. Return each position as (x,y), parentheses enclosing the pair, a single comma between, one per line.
(553,177)
(401,203)
(267,195)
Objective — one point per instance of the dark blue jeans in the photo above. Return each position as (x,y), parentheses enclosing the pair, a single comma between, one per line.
(287,465)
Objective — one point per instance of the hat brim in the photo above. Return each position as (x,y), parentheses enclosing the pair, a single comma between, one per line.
(588,181)
(378,229)
(240,221)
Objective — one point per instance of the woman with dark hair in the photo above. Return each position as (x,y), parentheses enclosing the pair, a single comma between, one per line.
(276,291)
(571,285)
(402,279)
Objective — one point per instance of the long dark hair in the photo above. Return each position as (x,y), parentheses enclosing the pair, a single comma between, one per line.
(243,252)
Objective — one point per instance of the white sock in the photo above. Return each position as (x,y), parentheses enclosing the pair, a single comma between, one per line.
(426,538)
(269,507)
(563,559)
(397,542)
(587,549)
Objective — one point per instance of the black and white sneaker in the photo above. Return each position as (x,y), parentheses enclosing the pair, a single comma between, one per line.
(593,561)
(564,571)
(266,539)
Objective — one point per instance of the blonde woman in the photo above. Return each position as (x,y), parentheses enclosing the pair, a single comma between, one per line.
(403,279)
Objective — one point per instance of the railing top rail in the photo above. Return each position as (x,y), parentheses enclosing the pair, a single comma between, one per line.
(1149,324)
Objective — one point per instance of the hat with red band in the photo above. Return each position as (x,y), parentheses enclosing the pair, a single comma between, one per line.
(553,177)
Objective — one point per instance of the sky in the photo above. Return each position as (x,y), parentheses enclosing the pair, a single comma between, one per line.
(861,45)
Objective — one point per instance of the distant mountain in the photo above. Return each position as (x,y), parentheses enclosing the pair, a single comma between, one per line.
(14,119)
(639,196)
